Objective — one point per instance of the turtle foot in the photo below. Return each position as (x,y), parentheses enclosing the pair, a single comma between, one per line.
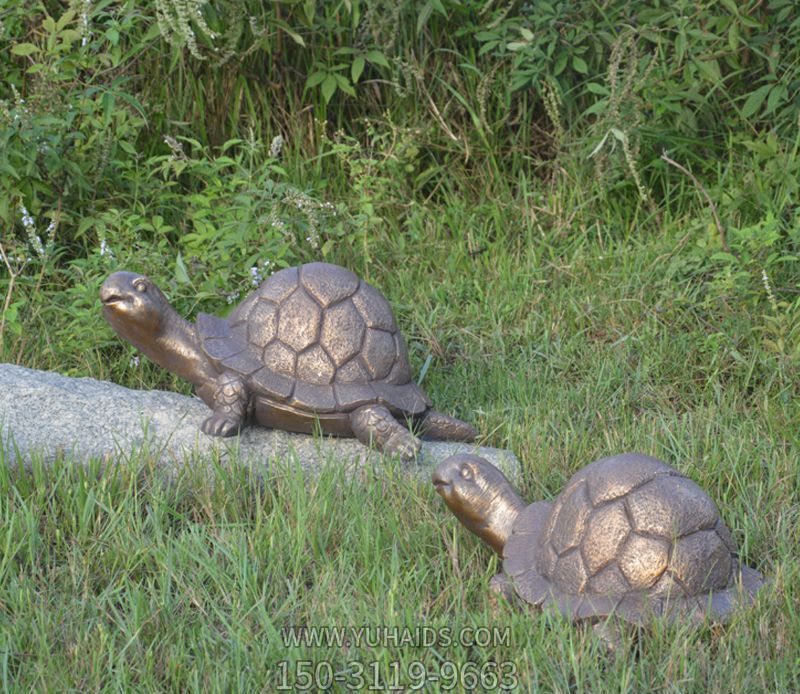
(230,406)
(403,444)
(375,425)
(610,634)
(221,424)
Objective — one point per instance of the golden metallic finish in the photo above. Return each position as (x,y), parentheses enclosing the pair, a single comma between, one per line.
(313,347)
(627,535)
(480,496)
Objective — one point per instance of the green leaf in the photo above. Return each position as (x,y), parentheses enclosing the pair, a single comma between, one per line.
(85,224)
(310,9)
(680,46)
(49,25)
(596,108)
(596,88)
(519,81)
(733,36)
(152,33)
(126,146)
(579,65)
(377,58)
(344,85)
(24,49)
(329,85)
(108,106)
(598,146)
(424,14)
(710,69)
(776,97)
(315,78)
(357,68)
(65,19)
(181,275)
(560,64)
(755,100)
(291,32)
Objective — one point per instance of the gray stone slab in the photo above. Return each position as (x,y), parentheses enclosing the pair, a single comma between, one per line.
(47,415)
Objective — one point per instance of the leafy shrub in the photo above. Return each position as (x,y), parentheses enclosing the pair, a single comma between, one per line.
(142,129)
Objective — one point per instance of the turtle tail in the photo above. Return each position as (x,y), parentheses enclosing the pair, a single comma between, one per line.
(437,425)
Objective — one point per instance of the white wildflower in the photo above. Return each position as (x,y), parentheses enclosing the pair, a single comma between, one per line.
(275,146)
(176,147)
(256,278)
(85,32)
(29,224)
(105,250)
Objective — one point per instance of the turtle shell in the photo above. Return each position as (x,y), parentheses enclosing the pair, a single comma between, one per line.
(630,535)
(316,338)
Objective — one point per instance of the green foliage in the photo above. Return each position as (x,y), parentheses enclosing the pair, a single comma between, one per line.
(141,129)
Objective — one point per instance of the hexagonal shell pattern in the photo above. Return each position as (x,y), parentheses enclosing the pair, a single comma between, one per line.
(571,513)
(299,321)
(280,359)
(606,531)
(671,506)
(378,353)
(342,332)
(643,560)
(617,568)
(315,366)
(279,285)
(308,328)
(262,323)
(328,284)
(374,308)
(701,562)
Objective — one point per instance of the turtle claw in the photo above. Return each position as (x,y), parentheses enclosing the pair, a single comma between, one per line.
(405,445)
(220,424)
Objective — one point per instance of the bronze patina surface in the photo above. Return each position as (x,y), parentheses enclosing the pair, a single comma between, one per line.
(628,535)
(313,346)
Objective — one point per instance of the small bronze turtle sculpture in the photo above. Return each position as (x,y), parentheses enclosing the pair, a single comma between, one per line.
(628,535)
(313,344)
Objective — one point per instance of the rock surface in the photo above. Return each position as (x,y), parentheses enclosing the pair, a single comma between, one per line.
(46,414)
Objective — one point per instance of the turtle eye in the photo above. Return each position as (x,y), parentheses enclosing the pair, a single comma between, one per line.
(466,472)
(140,285)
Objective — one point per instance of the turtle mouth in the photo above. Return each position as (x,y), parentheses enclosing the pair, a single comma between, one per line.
(110,297)
(441,484)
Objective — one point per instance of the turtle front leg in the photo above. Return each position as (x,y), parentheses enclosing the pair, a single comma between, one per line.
(374,424)
(230,397)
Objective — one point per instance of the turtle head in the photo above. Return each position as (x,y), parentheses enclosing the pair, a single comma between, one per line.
(480,496)
(134,307)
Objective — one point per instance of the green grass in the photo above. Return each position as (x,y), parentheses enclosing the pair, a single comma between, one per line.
(563,344)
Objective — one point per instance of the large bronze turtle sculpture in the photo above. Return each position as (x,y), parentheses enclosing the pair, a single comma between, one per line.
(628,535)
(313,346)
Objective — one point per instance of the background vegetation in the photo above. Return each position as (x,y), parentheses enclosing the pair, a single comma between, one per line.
(585,215)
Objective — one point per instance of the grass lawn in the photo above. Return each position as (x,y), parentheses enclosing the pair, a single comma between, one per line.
(564,343)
